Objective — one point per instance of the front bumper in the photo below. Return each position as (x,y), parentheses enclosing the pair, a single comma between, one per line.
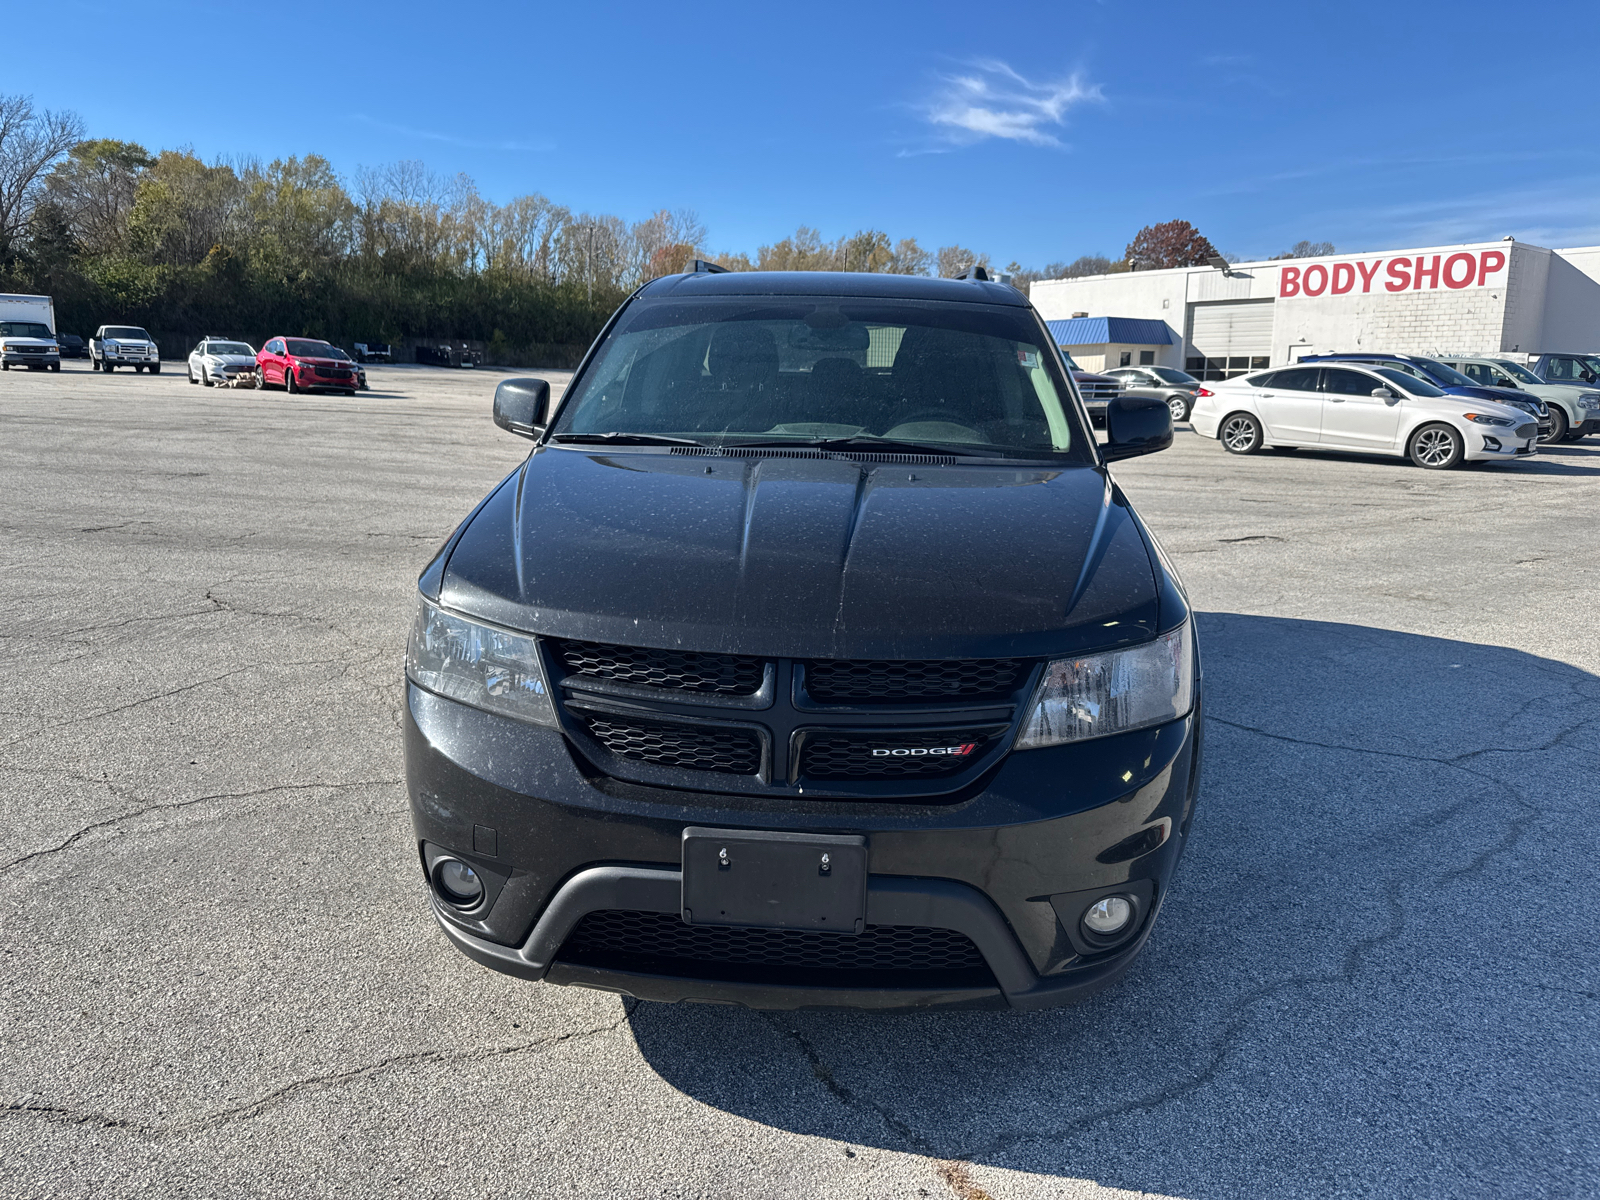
(554,840)
(1500,445)
(19,358)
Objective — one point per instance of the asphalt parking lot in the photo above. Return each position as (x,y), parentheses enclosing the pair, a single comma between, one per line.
(1377,974)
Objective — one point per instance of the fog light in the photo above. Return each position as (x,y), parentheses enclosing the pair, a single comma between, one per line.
(1109,916)
(457,883)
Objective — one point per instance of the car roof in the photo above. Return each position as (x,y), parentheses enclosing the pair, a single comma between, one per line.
(864,284)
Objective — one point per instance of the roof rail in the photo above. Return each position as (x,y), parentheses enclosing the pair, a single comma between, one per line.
(699,266)
(975,273)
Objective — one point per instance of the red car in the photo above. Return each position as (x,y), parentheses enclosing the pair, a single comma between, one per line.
(304,365)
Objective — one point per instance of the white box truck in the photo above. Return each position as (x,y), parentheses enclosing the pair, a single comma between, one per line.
(28,333)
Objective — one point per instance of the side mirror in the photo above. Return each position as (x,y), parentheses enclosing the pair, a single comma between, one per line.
(1382,393)
(1136,425)
(521,406)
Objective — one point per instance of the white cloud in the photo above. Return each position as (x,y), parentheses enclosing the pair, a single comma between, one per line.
(993,101)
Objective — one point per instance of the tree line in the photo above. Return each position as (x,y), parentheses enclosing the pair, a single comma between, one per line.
(242,247)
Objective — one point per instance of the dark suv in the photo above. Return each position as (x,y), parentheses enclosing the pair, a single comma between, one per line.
(812,657)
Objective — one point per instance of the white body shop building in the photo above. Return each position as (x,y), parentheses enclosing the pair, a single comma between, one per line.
(1486,297)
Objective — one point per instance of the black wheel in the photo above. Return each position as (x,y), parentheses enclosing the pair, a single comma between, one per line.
(1180,406)
(155,368)
(1240,433)
(288,382)
(192,379)
(108,367)
(5,366)
(94,363)
(1437,447)
(1559,425)
(260,380)
(55,366)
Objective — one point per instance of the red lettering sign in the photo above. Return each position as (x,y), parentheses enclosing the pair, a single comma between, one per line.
(1368,270)
(1322,280)
(1431,272)
(1399,275)
(1347,273)
(1288,281)
(1489,262)
(1450,279)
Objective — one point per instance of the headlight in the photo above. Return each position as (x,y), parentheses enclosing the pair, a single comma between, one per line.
(1101,694)
(1486,419)
(480,665)
(1589,401)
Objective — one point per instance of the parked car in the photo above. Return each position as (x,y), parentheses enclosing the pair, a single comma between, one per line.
(811,657)
(114,346)
(1367,409)
(1577,369)
(1574,411)
(1097,390)
(221,361)
(72,346)
(28,344)
(307,365)
(27,333)
(456,354)
(1176,387)
(1451,381)
(373,352)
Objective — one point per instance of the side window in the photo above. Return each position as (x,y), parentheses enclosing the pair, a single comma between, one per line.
(1299,379)
(1147,358)
(275,346)
(1348,383)
(1499,378)
(1127,358)
(1263,380)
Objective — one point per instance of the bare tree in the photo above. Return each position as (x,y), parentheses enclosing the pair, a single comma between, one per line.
(951,261)
(1303,249)
(30,141)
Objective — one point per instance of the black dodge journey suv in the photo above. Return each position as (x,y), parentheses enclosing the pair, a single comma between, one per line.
(811,658)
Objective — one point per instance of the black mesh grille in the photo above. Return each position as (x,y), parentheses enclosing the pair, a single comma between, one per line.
(661,943)
(691,747)
(891,682)
(888,756)
(682,669)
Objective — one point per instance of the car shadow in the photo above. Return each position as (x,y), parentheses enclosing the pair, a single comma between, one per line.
(1375,972)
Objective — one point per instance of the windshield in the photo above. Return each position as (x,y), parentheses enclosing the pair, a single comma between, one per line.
(982,377)
(1518,372)
(302,348)
(1443,375)
(31,329)
(131,333)
(229,348)
(1410,383)
(1172,375)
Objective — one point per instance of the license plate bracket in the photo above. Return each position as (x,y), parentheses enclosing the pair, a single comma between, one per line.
(773,880)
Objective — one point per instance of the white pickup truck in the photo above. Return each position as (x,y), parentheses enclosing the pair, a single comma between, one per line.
(28,333)
(114,346)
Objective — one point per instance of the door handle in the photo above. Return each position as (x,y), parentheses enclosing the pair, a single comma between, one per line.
(1336,399)
(1266,395)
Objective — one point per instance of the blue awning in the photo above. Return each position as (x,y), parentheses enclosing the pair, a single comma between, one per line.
(1095,331)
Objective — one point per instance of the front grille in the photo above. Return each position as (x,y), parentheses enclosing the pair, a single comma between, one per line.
(332,373)
(1526,431)
(660,943)
(847,755)
(1099,391)
(688,747)
(725,674)
(893,682)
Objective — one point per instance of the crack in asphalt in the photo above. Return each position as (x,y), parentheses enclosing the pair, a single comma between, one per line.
(95,716)
(74,838)
(308,1083)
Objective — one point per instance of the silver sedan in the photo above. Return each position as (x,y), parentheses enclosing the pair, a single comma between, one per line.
(216,361)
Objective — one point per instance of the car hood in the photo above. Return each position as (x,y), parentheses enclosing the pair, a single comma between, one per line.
(1497,394)
(322,362)
(807,557)
(232,360)
(28,341)
(1092,377)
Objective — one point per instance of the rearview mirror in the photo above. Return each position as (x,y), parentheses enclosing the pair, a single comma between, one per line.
(1136,425)
(520,406)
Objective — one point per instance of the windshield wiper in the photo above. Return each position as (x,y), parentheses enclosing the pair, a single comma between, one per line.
(859,442)
(618,438)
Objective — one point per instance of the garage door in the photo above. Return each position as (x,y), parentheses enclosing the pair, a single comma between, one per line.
(1229,338)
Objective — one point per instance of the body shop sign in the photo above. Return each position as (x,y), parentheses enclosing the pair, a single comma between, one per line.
(1419,273)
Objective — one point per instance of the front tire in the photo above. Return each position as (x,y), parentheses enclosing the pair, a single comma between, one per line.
(155,368)
(108,367)
(1240,433)
(289,384)
(1559,425)
(192,379)
(1437,447)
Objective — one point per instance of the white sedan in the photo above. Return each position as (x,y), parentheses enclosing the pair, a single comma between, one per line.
(1370,410)
(216,361)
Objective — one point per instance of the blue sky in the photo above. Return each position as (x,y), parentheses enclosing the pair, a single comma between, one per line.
(1034,132)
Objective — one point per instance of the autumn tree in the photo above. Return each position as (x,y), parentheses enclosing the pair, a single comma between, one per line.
(1169,244)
